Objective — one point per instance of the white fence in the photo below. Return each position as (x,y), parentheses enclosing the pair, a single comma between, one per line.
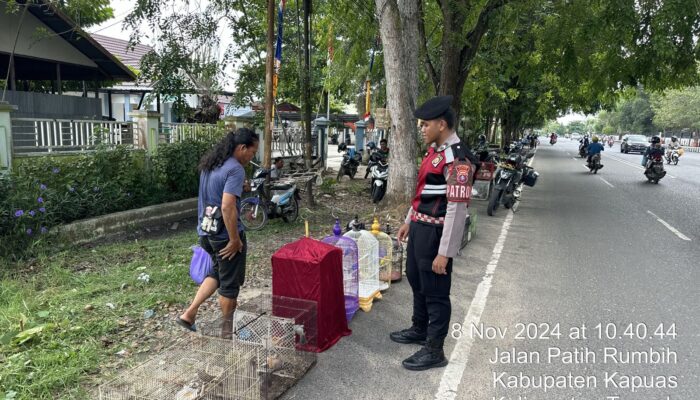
(41,136)
(177,132)
(288,142)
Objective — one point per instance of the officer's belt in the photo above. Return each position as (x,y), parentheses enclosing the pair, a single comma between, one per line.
(420,217)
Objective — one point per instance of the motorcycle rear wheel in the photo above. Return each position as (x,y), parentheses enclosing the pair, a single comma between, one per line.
(253,215)
(291,213)
(493,201)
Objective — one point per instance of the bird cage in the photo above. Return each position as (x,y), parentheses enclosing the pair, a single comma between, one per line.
(385,251)
(281,329)
(397,256)
(350,268)
(194,367)
(368,262)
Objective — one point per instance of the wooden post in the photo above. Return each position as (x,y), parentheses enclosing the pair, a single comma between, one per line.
(13,83)
(59,83)
(269,72)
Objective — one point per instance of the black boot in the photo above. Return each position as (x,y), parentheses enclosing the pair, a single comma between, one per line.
(430,356)
(411,335)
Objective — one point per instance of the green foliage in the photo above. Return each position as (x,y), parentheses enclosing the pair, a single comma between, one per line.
(175,167)
(677,109)
(44,192)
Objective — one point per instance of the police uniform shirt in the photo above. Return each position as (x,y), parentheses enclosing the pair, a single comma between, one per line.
(457,212)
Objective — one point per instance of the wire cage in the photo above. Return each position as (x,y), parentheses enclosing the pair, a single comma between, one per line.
(370,286)
(194,367)
(282,330)
(385,253)
(397,257)
(350,268)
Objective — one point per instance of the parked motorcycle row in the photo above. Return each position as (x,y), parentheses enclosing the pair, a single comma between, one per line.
(377,168)
(512,173)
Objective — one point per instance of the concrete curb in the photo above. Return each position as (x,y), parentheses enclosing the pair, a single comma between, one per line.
(88,230)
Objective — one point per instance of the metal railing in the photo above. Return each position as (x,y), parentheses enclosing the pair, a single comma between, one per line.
(177,132)
(32,136)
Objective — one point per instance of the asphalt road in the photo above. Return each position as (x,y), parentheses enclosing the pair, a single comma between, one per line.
(581,250)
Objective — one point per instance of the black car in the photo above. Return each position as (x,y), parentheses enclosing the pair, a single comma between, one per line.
(634,143)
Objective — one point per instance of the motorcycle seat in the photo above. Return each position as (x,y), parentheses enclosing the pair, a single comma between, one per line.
(281,186)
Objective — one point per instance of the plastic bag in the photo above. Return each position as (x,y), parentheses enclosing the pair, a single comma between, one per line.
(201,265)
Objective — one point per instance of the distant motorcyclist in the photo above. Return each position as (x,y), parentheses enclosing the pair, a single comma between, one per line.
(594,148)
(481,149)
(653,150)
(674,145)
(583,145)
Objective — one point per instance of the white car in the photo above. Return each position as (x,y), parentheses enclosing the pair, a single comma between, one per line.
(575,136)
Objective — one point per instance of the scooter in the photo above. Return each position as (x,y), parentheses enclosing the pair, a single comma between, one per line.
(673,156)
(380,174)
(611,141)
(594,165)
(273,200)
(655,168)
(350,163)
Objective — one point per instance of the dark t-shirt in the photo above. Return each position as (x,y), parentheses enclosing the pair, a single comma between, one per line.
(228,178)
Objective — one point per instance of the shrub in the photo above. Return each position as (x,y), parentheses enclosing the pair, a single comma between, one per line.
(43,192)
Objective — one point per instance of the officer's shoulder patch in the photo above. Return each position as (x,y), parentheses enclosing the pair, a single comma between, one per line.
(438,158)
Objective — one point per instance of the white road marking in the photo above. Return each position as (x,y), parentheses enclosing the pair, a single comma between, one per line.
(670,228)
(608,183)
(452,375)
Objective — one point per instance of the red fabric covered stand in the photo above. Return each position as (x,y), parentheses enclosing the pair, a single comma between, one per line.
(311,270)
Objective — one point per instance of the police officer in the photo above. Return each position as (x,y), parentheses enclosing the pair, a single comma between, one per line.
(434,227)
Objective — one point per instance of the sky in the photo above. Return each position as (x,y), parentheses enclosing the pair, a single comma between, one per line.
(571,117)
(114,28)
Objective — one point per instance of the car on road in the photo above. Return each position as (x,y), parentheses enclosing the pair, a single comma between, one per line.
(634,143)
(575,136)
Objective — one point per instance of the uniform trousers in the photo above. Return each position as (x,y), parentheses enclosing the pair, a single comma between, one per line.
(431,291)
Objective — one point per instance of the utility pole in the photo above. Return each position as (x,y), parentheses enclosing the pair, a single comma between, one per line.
(306,83)
(269,72)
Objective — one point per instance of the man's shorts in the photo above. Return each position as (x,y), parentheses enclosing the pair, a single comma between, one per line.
(230,273)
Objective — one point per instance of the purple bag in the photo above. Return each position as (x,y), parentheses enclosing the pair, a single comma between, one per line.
(201,265)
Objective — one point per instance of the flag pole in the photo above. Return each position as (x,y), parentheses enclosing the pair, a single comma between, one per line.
(269,78)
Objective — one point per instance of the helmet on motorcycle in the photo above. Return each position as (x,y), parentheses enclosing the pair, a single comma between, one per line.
(595,139)
(371,145)
(482,138)
(342,147)
(655,139)
(674,139)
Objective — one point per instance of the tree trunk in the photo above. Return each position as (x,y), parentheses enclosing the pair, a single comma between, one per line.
(396,26)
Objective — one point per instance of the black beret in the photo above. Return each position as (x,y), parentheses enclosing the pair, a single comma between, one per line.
(433,108)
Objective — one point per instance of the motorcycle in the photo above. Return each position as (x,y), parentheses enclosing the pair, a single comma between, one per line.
(350,163)
(552,141)
(508,177)
(655,168)
(594,165)
(583,151)
(269,200)
(380,174)
(673,156)
(611,142)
